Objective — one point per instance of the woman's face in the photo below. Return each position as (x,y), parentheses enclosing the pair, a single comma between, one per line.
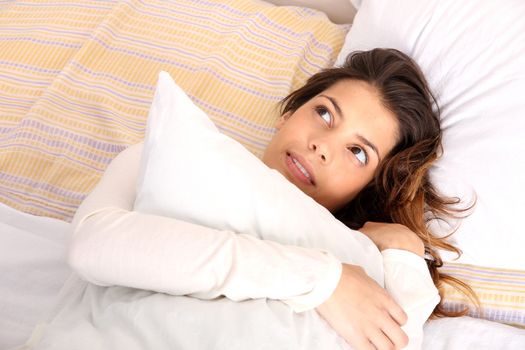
(331,146)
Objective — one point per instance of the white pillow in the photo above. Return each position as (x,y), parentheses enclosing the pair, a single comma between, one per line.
(218,183)
(473,55)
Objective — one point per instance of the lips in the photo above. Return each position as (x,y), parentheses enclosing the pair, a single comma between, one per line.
(300,168)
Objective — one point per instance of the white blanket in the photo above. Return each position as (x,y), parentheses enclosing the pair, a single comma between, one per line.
(19,232)
(93,317)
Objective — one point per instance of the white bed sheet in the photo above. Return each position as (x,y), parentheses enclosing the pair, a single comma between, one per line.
(464,333)
(33,269)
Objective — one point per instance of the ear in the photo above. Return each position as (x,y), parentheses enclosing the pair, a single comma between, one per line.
(282,119)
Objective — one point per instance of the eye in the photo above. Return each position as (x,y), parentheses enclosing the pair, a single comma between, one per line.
(360,154)
(324,114)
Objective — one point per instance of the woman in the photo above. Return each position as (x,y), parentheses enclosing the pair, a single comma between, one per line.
(357,139)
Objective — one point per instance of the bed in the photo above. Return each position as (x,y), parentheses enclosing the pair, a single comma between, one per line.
(77,80)
(27,301)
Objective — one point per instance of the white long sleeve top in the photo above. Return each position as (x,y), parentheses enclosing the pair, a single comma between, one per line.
(114,245)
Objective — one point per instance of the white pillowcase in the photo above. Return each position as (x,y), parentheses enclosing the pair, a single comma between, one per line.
(218,183)
(473,55)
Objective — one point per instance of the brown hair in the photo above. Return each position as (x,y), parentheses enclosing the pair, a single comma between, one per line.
(401,191)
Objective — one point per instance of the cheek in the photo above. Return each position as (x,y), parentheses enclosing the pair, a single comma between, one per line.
(269,156)
(349,183)
(341,188)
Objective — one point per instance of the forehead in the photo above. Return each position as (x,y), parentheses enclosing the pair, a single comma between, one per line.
(357,94)
(363,112)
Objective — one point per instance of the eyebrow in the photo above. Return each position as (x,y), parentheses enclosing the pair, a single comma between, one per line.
(335,104)
(369,144)
(359,136)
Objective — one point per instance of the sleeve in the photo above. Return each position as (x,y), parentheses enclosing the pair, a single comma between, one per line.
(114,245)
(408,281)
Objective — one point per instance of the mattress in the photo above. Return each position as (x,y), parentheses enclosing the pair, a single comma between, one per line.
(33,269)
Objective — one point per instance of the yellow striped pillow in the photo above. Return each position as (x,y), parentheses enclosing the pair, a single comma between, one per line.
(78,79)
(501,292)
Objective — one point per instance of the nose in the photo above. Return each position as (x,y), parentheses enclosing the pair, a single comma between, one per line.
(320,149)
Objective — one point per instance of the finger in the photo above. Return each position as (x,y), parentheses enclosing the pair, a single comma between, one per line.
(363,344)
(397,313)
(381,341)
(394,333)
(359,343)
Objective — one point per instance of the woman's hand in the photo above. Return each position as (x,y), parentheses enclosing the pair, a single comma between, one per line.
(395,236)
(363,313)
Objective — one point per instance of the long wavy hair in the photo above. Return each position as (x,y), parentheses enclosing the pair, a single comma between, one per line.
(401,191)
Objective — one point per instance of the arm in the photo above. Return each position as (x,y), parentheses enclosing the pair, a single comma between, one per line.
(114,245)
(407,277)
(408,280)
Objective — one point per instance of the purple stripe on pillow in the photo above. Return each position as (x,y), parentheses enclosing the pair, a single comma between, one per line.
(99,113)
(43,185)
(30,67)
(63,144)
(67,135)
(498,315)
(24,81)
(32,204)
(43,42)
(18,30)
(485,271)
(61,154)
(494,279)
(92,87)
(232,116)
(92,73)
(238,136)
(308,11)
(67,4)
(45,199)
(17,105)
